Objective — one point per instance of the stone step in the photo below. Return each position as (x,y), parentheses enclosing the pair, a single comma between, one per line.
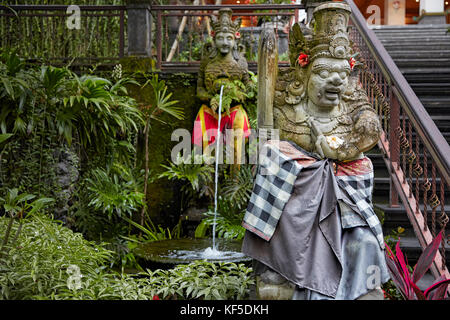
(424,54)
(405,39)
(437,106)
(412,47)
(410,28)
(423,63)
(426,76)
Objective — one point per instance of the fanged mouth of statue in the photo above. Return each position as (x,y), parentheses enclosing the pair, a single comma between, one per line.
(332,93)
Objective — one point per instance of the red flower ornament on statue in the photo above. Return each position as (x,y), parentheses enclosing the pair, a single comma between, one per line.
(303,59)
(237,35)
(352,62)
(212,33)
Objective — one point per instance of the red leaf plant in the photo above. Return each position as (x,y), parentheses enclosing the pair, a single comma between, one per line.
(406,282)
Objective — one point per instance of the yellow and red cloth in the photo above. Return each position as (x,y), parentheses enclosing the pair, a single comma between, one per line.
(206,124)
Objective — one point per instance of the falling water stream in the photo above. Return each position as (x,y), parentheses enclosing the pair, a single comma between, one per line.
(216,173)
(213,252)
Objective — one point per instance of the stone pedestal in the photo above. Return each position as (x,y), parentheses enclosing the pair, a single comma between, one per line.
(139,28)
(272,286)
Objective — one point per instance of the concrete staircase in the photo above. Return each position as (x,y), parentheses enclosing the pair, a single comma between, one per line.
(422,53)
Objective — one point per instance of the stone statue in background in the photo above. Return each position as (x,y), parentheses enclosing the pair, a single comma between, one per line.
(223,62)
(311,227)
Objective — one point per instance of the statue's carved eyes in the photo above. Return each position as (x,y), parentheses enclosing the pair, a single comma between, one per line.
(324,74)
(344,74)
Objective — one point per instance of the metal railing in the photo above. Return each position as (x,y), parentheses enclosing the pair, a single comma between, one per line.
(40,33)
(180,31)
(415,151)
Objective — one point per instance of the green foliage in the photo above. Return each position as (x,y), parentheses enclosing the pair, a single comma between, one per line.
(194,169)
(153,233)
(235,193)
(52,112)
(41,264)
(114,193)
(5,136)
(238,189)
(42,38)
(98,109)
(162,100)
(37,263)
(233,92)
(228,220)
(16,203)
(204,280)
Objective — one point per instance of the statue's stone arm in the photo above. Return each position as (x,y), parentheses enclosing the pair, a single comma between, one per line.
(364,136)
(202,92)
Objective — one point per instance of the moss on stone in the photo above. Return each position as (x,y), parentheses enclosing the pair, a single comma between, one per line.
(132,64)
(164,197)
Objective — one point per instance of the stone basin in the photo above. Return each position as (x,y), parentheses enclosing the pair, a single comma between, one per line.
(181,251)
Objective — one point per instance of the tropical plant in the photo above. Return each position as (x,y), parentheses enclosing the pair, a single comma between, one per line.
(406,282)
(37,263)
(5,136)
(233,92)
(228,220)
(17,206)
(204,280)
(161,103)
(153,233)
(113,193)
(49,261)
(238,189)
(98,109)
(195,169)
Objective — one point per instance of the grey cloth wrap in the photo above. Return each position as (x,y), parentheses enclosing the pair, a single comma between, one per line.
(311,248)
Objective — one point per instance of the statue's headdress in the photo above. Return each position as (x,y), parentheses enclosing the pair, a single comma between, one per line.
(224,23)
(328,37)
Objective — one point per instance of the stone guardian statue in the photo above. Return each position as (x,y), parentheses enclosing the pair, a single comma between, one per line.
(311,227)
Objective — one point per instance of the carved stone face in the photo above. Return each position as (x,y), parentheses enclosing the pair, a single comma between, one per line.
(225,42)
(328,81)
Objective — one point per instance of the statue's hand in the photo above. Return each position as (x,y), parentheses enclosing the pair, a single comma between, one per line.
(214,104)
(319,142)
(365,127)
(203,95)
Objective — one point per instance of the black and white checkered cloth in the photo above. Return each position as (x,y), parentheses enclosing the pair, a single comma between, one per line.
(274,184)
(359,189)
(271,191)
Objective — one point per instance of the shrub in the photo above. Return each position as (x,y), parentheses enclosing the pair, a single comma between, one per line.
(37,264)
(49,261)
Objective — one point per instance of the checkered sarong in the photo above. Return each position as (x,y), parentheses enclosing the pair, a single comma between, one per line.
(274,184)
(271,191)
(359,189)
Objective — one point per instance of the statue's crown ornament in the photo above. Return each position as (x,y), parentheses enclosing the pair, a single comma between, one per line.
(328,37)
(224,23)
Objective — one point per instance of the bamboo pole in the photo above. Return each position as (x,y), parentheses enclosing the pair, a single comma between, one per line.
(180,32)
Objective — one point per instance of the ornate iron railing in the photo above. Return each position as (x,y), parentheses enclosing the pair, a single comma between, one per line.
(40,33)
(176,48)
(415,151)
